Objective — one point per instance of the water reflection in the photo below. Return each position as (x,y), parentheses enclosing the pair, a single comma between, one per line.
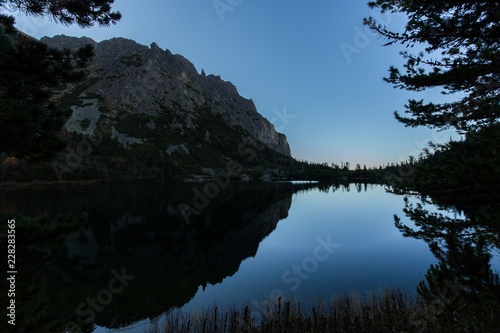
(137,257)
(138,231)
(461,293)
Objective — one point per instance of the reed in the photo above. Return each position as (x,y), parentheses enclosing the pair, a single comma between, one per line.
(389,312)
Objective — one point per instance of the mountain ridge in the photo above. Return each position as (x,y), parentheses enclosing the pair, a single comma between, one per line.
(142,112)
(149,80)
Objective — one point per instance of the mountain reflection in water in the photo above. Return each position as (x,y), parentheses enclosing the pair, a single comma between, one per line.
(140,228)
(139,257)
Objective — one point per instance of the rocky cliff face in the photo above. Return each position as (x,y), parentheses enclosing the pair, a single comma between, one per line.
(149,81)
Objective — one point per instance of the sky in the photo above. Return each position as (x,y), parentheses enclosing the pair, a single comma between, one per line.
(311,68)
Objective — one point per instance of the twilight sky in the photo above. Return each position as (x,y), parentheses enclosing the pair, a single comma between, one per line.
(312,69)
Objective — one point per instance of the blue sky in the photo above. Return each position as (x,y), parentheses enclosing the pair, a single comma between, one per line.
(311,68)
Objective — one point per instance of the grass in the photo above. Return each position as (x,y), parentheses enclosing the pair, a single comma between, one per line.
(390,312)
(131,60)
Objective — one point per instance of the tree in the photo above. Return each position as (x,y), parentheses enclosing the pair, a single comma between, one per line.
(461,290)
(30,121)
(82,12)
(461,55)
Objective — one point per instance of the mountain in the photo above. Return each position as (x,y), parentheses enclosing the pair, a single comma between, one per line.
(144,110)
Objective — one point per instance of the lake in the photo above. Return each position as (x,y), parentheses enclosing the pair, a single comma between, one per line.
(149,248)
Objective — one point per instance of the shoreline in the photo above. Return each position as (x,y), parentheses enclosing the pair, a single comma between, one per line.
(184,179)
(41,183)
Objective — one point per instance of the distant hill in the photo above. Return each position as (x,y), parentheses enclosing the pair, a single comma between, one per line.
(145,112)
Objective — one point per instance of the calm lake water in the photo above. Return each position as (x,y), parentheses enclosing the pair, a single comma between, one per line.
(190,246)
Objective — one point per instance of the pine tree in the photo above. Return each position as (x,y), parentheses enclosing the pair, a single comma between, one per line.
(30,122)
(461,55)
(85,13)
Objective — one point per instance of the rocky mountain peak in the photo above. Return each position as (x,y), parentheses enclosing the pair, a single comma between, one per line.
(151,81)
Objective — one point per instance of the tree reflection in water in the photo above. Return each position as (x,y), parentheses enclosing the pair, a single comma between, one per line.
(461,293)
